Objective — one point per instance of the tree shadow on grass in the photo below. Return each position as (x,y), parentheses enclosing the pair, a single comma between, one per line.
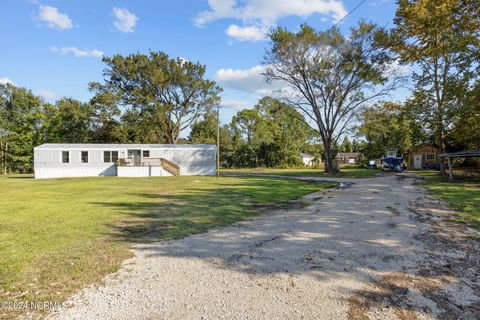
(30,177)
(162,216)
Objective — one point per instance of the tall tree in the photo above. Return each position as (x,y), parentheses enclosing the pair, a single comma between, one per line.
(346,145)
(106,117)
(68,121)
(388,125)
(272,135)
(19,128)
(287,133)
(205,131)
(441,38)
(169,93)
(329,76)
(466,124)
(249,126)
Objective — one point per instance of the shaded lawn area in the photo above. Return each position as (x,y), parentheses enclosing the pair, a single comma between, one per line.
(345,172)
(58,235)
(461,194)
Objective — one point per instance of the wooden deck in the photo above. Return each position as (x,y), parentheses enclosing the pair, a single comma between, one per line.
(152,162)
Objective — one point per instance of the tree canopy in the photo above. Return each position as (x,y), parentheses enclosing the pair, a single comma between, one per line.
(386,125)
(329,76)
(441,38)
(169,94)
(272,134)
(20,114)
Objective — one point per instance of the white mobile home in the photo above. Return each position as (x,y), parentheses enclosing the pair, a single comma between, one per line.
(124,160)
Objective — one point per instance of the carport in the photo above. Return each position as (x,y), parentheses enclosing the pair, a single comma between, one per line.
(460,154)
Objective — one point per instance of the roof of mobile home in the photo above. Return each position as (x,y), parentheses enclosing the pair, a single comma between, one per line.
(122,146)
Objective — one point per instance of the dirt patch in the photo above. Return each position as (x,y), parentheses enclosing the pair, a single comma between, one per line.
(407,296)
(444,285)
(454,260)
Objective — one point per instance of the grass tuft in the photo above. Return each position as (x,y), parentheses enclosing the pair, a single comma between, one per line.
(461,194)
(345,172)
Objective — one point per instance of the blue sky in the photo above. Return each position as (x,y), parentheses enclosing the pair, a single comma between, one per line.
(54,47)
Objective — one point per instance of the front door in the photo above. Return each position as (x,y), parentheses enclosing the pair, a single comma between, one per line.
(417,161)
(135,154)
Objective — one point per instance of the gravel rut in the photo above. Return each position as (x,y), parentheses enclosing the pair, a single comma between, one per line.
(365,251)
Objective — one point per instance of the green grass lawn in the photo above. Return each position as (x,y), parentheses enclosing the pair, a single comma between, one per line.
(460,194)
(345,172)
(58,235)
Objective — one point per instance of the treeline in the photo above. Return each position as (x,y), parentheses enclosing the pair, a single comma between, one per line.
(272,134)
(405,125)
(143,99)
(441,40)
(332,84)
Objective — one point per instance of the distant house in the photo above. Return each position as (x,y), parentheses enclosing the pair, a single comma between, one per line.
(307,159)
(348,157)
(423,155)
(124,160)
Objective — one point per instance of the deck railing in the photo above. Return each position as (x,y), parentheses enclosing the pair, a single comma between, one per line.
(152,162)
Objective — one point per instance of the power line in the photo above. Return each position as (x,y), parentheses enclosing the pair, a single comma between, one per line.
(336,24)
(252,91)
(349,13)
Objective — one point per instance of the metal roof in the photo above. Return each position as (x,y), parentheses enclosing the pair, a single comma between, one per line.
(471,153)
(306,155)
(122,146)
(348,154)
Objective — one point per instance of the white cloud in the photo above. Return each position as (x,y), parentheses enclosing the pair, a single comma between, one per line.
(250,81)
(264,13)
(46,94)
(6,80)
(234,104)
(77,52)
(396,69)
(251,33)
(125,20)
(247,80)
(54,18)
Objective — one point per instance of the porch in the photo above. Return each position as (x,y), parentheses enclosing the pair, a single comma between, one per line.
(138,166)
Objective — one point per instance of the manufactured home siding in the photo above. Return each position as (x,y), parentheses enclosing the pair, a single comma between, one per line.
(192,160)
(48,164)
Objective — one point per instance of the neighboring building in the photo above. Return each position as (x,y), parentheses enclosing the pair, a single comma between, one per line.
(422,155)
(126,160)
(308,159)
(348,157)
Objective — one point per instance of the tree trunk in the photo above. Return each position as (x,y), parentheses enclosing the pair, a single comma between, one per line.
(329,161)
(171,137)
(441,145)
(2,161)
(6,157)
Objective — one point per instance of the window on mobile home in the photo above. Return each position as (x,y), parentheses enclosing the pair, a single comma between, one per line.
(84,156)
(110,156)
(65,156)
(146,153)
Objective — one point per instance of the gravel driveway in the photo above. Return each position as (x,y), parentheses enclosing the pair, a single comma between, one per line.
(378,249)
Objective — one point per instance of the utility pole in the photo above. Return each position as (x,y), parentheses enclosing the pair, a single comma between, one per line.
(218,142)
